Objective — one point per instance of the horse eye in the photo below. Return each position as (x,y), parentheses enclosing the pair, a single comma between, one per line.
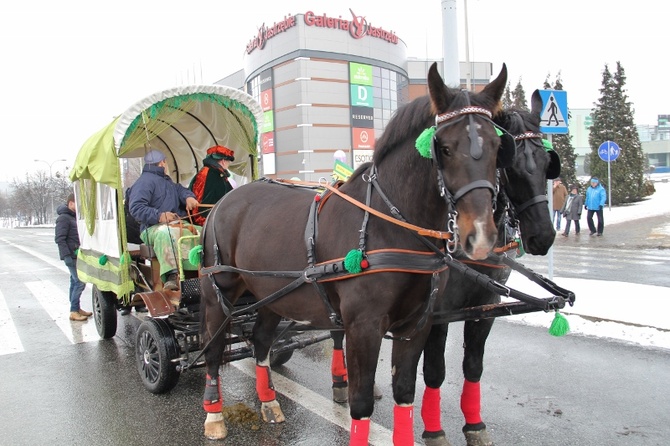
(445,150)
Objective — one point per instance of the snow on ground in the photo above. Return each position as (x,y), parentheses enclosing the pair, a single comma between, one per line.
(605,308)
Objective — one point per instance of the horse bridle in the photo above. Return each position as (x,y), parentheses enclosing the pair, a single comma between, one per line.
(530,168)
(476,150)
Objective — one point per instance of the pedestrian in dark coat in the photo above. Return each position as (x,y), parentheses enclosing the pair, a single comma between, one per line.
(67,239)
(572,210)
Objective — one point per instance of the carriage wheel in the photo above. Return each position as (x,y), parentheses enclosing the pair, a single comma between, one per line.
(155,350)
(104,312)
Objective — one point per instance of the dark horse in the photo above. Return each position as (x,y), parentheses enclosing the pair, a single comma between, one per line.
(524,185)
(291,250)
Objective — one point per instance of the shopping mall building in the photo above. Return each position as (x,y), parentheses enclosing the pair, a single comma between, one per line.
(330,83)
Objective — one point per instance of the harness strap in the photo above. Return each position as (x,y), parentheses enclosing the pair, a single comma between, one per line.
(421,231)
(542,281)
(479,184)
(536,199)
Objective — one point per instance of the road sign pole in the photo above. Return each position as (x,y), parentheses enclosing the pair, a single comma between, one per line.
(609,174)
(550,196)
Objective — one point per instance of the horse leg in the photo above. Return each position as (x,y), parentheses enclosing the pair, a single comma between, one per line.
(433,376)
(474,339)
(404,361)
(212,317)
(338,368)
(263,335)
(362,361)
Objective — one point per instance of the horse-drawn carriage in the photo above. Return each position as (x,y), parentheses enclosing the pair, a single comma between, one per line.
(182,123)
(385,247)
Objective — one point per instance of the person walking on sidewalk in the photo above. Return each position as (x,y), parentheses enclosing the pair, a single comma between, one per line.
(67,239)
(572,210)
(594,204)
(559,194)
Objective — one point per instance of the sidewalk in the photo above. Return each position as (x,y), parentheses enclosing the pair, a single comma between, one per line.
(631,312)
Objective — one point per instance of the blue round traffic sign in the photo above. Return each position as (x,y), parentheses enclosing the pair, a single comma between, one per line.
(608,151)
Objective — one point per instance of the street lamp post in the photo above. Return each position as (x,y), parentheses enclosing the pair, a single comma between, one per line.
(50,164)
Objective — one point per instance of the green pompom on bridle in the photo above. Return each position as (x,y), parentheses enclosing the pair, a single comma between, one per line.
(352,261)
(423,142)
(547,145)
(194,255)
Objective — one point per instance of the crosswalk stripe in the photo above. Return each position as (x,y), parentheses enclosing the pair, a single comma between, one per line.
(11,342)
(56,304)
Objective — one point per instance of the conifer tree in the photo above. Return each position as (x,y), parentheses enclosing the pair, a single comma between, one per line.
(507,98)
(563,143)
(519,98)
(613,121)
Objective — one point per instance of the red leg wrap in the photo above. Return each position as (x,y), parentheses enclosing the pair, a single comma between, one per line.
(360,432)
(430,410)
(403,425)
(264,387)
(471,402)
(212,401)
(338,368)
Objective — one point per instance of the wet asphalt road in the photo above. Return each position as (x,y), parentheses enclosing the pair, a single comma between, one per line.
(537,390)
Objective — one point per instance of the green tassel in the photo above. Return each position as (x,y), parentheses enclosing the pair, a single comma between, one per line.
(424,141)
(102,260)
(194,255)
(559,326)
(125,258)
(352,261)
(547,145)
(499,132)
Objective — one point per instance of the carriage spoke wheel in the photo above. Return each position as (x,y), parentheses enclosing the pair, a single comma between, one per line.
(155,350)
(104,312)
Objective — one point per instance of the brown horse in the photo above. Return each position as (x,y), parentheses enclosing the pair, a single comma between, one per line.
(365,258)
(524,198)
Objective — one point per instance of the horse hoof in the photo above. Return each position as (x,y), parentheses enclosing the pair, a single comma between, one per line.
(478,438)
(272,413)
(435,439)
(215,427)
(340,394)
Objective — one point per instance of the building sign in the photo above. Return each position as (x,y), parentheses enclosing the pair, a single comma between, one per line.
(268,122)
(358,27)
(266,99)
(266,80)
(360,74)
(268,142)
(663,121)
(265,33)
(362,117)
(362,156)
(363,138)
(361,95)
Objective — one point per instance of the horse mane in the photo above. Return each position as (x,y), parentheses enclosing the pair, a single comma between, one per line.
(517,120)
(408,122)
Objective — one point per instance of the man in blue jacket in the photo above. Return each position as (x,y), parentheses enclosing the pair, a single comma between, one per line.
(594,204)
(155,202)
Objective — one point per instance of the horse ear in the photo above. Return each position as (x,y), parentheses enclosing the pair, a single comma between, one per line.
(536,103)
(554,168)
(439,93)
(497,87)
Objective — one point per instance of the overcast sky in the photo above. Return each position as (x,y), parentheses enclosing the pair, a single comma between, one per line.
(68,67)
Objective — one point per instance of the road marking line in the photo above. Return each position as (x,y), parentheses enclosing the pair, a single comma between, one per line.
(56,304)
(312,401)
(11,341)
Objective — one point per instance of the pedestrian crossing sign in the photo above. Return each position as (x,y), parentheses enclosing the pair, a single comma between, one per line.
(554,117)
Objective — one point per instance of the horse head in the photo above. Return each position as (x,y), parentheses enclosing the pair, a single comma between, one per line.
(525,180)
(464,148)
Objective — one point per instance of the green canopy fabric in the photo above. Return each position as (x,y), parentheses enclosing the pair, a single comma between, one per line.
(97,159)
